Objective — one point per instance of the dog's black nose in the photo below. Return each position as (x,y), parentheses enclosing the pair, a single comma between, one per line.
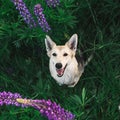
(58,65)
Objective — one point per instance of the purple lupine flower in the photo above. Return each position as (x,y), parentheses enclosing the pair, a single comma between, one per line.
(49,109)
(24,12)
(8,98)
(38,10)
(52,3)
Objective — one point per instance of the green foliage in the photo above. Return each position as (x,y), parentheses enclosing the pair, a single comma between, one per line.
(24,63)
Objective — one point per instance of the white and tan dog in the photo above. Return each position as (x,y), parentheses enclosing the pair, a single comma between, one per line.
(63,65)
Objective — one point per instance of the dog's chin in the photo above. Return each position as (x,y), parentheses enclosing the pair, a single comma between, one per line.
(60,72)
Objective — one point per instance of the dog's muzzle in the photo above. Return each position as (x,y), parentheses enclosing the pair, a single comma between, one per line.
(59,69)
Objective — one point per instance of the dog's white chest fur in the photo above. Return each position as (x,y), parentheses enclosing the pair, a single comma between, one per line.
(70,76)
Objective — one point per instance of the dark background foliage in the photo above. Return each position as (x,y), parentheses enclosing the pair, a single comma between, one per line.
(24,63)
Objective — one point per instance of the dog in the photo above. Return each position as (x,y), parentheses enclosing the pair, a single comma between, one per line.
(64,66)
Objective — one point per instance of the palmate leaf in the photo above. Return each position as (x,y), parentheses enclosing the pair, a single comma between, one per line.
(82,100)
(68,3)
(66,18)
(64,15)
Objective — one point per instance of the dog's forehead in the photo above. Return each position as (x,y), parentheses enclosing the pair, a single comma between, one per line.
(61,48)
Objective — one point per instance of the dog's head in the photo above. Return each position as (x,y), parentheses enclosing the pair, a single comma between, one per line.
(61,55)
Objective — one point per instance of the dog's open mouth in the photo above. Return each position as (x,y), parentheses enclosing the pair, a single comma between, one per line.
(60,72)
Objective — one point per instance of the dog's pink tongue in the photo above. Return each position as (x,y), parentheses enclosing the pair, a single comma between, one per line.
(60,71)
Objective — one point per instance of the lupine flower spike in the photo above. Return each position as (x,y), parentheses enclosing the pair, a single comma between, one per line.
(38,10)
(24,12)
(8,98)
(47,108)
(52,3)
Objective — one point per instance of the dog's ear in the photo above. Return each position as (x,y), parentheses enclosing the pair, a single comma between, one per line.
(49,43)
(72,43)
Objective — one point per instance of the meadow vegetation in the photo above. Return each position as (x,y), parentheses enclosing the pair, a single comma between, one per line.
(24,63)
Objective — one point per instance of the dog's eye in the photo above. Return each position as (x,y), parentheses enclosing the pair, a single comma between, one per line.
(65,54)
(54,54)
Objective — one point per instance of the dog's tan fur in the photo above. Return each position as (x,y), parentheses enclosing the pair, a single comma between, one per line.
(71,70)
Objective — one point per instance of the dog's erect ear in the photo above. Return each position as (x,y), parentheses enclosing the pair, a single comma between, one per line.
(49,43)
(72,43)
